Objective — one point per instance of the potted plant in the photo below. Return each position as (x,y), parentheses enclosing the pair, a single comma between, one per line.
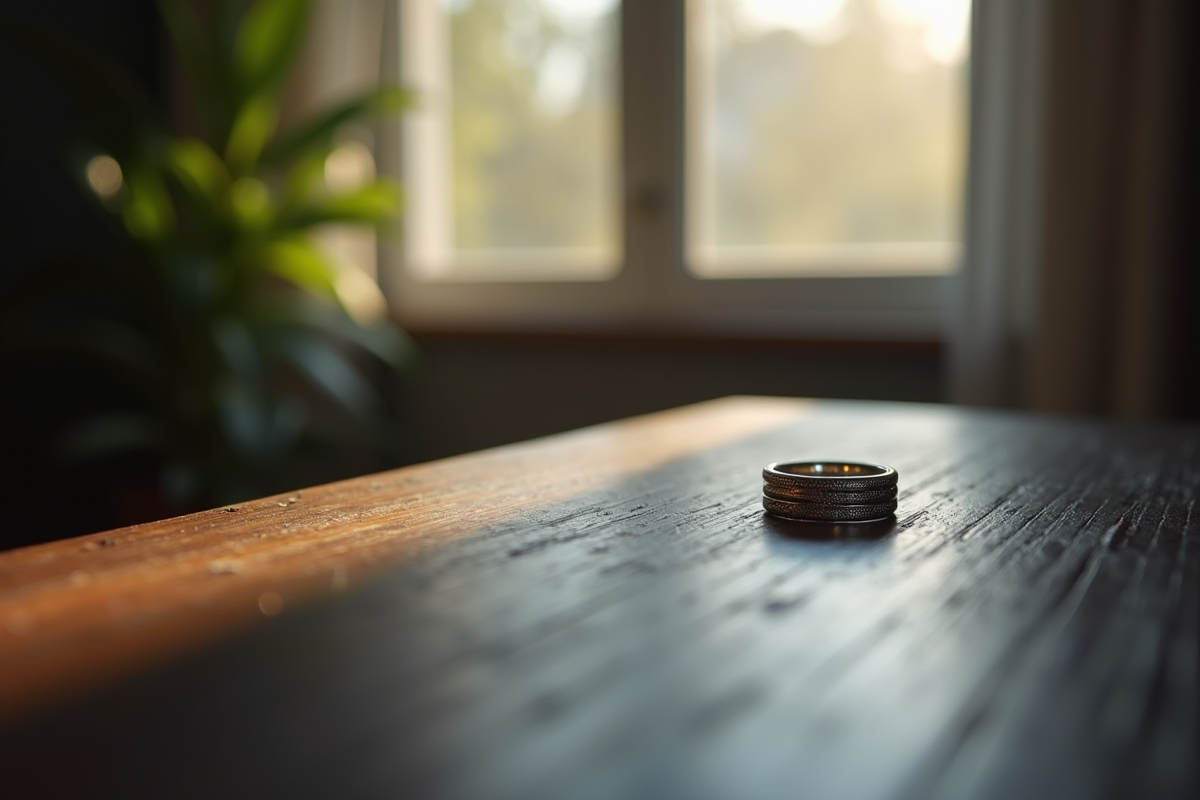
(220,316)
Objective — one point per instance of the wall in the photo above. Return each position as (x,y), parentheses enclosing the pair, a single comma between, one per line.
(469,392)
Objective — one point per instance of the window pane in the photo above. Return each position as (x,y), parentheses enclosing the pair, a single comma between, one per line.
(827,136)
(523,119)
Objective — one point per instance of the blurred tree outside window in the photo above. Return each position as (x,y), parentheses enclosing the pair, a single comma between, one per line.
(827,130)
(822,136)
(519,107)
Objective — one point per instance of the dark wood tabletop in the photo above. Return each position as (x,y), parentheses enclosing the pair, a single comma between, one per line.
(609,614)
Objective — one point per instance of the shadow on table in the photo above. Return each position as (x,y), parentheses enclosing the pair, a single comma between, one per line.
(829,531)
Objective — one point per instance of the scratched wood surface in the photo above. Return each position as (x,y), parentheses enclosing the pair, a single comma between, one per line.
(78,612)
(609,614)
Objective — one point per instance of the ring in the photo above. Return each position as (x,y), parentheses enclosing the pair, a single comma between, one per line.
(863,497)
(815,512)
(828,476)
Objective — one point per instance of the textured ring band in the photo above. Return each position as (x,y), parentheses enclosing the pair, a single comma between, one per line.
(814,512)
(829,475)
(863,497)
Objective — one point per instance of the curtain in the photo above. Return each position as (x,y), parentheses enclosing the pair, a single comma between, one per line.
(1082,269)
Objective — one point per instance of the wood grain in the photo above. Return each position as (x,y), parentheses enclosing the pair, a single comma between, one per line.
(1027,626)
(79,612)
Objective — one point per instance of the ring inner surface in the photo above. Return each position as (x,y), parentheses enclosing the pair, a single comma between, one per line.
(831,469)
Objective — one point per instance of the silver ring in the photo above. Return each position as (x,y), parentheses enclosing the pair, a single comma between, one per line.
(815,512)
(841,476)
(863,497)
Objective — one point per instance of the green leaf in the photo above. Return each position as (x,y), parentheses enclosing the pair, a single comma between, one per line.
(148,213)
(252,127)
(331,371)
(241,419)
(303,180)
(261,428)
(237,346)
(381,339)
(250,201)
(199,169)
(205,182)
(299,261)
(194,280)
(319,131)
(267,40)
(375,204)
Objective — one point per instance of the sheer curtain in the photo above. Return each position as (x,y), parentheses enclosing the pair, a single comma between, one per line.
(1082,268)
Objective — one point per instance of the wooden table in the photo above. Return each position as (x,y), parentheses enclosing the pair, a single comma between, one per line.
(609,614)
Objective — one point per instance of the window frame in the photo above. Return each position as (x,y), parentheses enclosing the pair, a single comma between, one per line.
(654,289)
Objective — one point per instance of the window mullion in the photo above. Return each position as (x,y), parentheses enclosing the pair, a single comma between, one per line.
(652,67)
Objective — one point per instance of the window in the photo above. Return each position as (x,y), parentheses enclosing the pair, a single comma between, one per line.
(513,151)
(726,166)
(825,137)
